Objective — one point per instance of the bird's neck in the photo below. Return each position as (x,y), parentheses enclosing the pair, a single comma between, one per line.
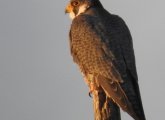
(93,10)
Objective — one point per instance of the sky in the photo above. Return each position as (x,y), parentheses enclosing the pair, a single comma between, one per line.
(38,79)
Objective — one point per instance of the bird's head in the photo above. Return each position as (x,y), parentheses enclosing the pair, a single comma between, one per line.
(76,7)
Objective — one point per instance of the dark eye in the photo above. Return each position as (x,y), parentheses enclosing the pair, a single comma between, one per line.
(75,3)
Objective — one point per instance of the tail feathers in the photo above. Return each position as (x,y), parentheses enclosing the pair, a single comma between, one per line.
(133,94)
(114,91)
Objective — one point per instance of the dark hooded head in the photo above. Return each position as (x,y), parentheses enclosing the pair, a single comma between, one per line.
(76,7)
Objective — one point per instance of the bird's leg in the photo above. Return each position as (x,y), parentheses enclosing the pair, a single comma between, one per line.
(92,88)
(90,81)
(89,85)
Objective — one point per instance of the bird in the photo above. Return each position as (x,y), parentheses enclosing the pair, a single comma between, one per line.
(101,45)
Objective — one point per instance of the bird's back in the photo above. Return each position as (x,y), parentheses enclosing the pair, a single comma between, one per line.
(121,45)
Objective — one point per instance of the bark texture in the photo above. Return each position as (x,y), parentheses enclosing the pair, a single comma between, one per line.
(104,108)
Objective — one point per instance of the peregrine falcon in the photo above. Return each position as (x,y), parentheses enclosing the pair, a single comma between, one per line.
(101,45)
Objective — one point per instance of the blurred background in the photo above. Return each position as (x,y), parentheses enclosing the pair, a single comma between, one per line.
(39,81)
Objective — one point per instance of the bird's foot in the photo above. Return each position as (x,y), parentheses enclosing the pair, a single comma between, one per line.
(90,81)
(92,88)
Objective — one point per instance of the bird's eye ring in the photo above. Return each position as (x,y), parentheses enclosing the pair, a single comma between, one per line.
(75,3)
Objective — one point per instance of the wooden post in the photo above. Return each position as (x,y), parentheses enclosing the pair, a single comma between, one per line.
(104,108)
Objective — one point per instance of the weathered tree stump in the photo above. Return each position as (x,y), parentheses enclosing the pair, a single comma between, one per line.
(104,107)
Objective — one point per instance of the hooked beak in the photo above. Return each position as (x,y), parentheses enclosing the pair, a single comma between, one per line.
(68,8)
